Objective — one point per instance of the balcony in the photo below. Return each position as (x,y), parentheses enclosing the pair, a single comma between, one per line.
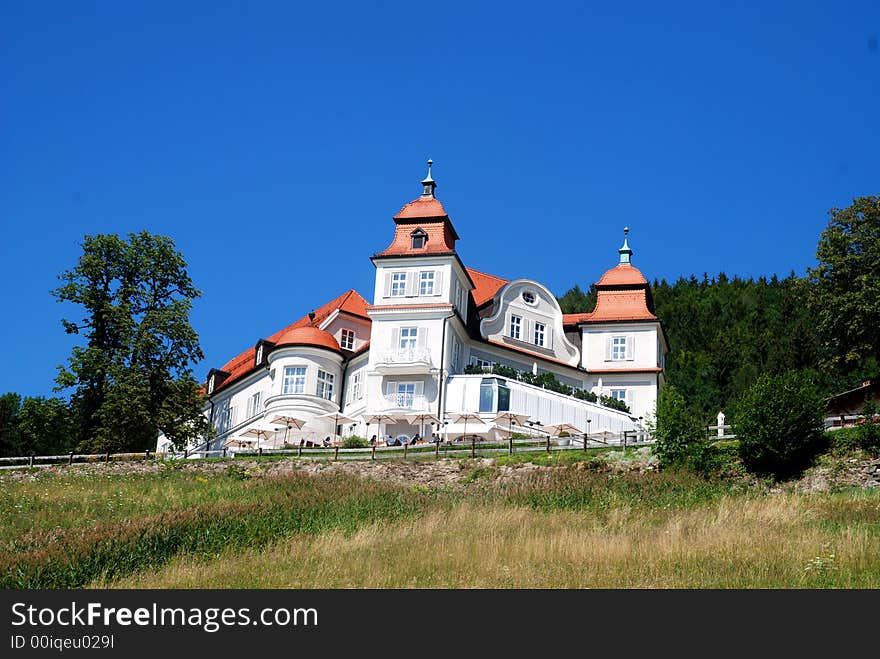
(415,361)
(408,402)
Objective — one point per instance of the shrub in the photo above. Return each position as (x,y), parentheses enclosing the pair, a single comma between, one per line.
(677,430)
(715,458)
(355,442)
(864,437)
(613,403)
(778,422)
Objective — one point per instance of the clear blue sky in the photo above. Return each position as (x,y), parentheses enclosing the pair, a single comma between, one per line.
(275,141)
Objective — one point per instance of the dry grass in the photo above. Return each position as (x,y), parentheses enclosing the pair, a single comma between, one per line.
(783,541)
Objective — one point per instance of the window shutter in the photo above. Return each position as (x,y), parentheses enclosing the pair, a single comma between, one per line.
(629,399)
(412,284)
(420,388)
(422,338)
(548,337)
(390,388)
(630,347)
(608,348)
(438,282)
(395,338)
(387,284)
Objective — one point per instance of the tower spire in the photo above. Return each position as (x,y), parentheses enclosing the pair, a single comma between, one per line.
(625,251)
(428,183)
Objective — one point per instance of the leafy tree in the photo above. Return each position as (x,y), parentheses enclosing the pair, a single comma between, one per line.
(846,291)
(45,426)
(779,422)
(133,376)
(676,428)
(10,438)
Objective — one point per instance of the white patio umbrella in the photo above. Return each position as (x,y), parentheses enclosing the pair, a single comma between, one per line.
(240,442)
(603,432)
(556,429)
(258,432)
(511,418)
(464,417)
(336,418)
(290,422)
(380,417)
(421,418)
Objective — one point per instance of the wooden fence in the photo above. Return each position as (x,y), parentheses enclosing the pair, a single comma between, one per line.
(416,452)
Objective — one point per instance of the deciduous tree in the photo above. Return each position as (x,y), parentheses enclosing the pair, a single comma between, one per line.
(133,376)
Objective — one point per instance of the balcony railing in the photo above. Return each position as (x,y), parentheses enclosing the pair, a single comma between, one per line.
(415,360)
(414,402)
(408,356)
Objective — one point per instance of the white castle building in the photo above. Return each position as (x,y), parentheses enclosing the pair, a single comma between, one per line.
(423,352)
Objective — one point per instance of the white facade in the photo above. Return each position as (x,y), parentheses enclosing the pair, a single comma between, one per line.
(408,351)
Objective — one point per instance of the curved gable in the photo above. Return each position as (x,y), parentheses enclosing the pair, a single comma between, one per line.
(532,303)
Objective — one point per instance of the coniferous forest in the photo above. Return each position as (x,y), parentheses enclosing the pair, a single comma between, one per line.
(725,331)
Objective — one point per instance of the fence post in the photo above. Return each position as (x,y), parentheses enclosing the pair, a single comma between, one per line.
(437,450)
(585,443)
(260,452)
(548,443)
(373,453)
(70,460)
(404,451)
(146,455)
(224,451)
(31,460)
(510,446)
(185,453)
(473,446)
(107,457)
(624,439)
(299,451)
(336,454)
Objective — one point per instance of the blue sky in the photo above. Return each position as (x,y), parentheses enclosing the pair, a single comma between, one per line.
(274,142)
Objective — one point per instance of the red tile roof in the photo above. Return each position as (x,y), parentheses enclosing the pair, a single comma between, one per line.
(524,351)
(311,336)
(623,274)
(622,296)
(614,305)
(349,302)
(441,239)
(485,286)
(422,207)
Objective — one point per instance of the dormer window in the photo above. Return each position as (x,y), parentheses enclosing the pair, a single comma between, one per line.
(210,385)
(259,359)
(528,297)
(347,339)
(419,238)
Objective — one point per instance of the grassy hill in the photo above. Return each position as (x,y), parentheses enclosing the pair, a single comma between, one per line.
(467,523)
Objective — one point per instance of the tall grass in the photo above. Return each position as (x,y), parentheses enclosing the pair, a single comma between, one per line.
(563,527)
(767,542)
(296,504)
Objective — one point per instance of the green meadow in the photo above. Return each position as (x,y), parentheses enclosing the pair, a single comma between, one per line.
(571,526)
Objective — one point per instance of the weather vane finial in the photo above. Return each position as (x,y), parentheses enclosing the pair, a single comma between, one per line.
(428,182)
(625,251)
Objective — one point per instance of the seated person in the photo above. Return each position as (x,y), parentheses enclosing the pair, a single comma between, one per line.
(327,441)
(415,439)
(373,440)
